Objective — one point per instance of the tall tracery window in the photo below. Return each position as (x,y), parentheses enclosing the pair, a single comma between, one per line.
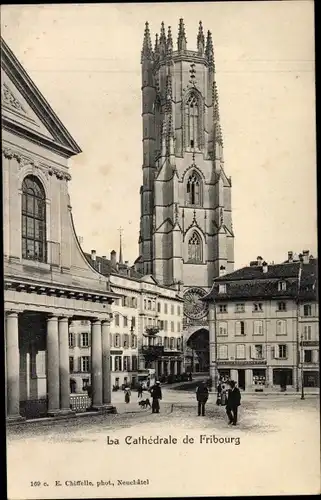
(33,220)
(192,122)
(195,248)
(193,189)
(158,124)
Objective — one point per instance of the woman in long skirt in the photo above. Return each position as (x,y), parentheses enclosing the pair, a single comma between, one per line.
(127,394)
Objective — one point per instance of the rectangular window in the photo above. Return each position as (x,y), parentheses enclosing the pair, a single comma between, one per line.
(178,310)
(178,327)
(126,340)
(223,351)
(84,322)
(133,323)
(240,308)
(165,325)
(71,339)
(125,321)
(116,319)
(134,341)
(165,308)
(307,310)
(281,306)
(222,308)
(308,356)
(281,327)
(240,351)
(71,364)
(307,332)
(172,326)
(258,328)
(118,367)
(258,307)
(222,288)
(222,328)
(126,363)
(134,363)
(85,384)
(117,340)
(84,339)
(85,364)
(158,307)
(282,286)
(240,328)
(280,351)
(257,351)
(172,309)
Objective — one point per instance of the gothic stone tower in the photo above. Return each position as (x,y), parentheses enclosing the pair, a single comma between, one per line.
(186,234)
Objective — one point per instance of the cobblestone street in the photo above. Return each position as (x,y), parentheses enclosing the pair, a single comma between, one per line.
(276,435)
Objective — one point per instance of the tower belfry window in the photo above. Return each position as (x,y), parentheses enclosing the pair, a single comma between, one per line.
(192,122)
(193,189)
(195,248)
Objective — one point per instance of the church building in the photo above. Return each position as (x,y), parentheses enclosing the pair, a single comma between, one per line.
(186,235)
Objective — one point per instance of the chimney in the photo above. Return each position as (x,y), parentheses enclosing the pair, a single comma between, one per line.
(126,263)
(306,254)
(113,258)
(93,255)
(103,256)
(253,263)
(259,261)
(222,270)
(264,267)
(290,256)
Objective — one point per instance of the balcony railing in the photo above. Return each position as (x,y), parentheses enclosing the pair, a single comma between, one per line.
(151,331)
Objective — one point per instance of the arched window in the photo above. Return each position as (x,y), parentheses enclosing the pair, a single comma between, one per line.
(158,124)
(33,220)
(192,122)
(195,248)
(193,189)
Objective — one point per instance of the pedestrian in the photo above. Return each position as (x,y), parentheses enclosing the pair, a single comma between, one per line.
(201,397)
(127,394)
(233,402)
(140,390)
(156,394)
(219,393)
(223,392)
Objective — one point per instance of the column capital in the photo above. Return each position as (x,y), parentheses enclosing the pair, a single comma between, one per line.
(12,312)
(95,321)
(51,317)
(63,319)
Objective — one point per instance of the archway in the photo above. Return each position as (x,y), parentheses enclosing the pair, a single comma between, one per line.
(198,347)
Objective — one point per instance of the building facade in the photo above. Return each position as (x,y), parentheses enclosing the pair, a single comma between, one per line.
(263,322)
(146,332)
(186,233)
(48,282)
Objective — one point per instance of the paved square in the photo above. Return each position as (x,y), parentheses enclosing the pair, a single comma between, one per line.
(274,450)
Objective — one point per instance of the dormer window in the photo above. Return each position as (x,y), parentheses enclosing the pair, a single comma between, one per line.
(222,288)
(282,286)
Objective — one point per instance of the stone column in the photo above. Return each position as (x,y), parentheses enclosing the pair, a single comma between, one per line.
(175,367)
(96,365)
(63,329)
(213,345)
(13,366)
(53,365)
(105,331)
(248,379)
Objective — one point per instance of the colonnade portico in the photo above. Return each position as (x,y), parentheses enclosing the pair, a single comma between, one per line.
(57,363)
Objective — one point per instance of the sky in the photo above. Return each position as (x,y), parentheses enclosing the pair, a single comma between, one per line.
(85,59)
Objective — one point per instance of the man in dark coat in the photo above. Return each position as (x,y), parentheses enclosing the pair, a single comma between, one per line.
(233,402)
(202,397)
(156,394)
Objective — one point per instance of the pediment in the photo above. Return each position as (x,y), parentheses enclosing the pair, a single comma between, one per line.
(26,112)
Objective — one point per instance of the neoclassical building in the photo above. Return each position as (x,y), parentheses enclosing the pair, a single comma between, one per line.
(186,233)
(48,281)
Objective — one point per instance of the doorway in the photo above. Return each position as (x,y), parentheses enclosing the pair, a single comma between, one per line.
(241,378)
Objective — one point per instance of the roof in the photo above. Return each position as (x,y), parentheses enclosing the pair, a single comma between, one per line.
(61,139)
(251,282)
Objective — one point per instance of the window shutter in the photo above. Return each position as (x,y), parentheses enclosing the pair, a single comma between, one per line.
(276,351)
(315,356)
(238,328)
(252,351)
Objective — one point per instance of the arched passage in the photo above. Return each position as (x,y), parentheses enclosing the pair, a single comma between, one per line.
(198,347)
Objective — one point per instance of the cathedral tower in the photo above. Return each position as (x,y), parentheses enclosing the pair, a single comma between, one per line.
(186,233)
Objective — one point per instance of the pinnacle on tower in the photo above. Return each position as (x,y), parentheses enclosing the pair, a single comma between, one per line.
(209,51)
(169,45)
(162,41)
(156,49)
(200,39)
(147,51)
(181,41)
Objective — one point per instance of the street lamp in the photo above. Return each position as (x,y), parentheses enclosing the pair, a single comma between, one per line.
(302,374)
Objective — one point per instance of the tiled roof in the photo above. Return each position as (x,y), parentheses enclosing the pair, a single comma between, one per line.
(106,267)
(252,282)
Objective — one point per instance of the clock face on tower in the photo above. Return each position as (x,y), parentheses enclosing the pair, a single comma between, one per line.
(194,308)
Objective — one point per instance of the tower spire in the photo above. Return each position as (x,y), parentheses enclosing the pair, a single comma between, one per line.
(209,51)
(200,39)
(156,49)
(120,246)
(162,41)
(181,41)
(169,45)
(147,51)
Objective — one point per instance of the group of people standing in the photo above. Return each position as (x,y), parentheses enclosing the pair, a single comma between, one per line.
(155,393)
(228,395)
